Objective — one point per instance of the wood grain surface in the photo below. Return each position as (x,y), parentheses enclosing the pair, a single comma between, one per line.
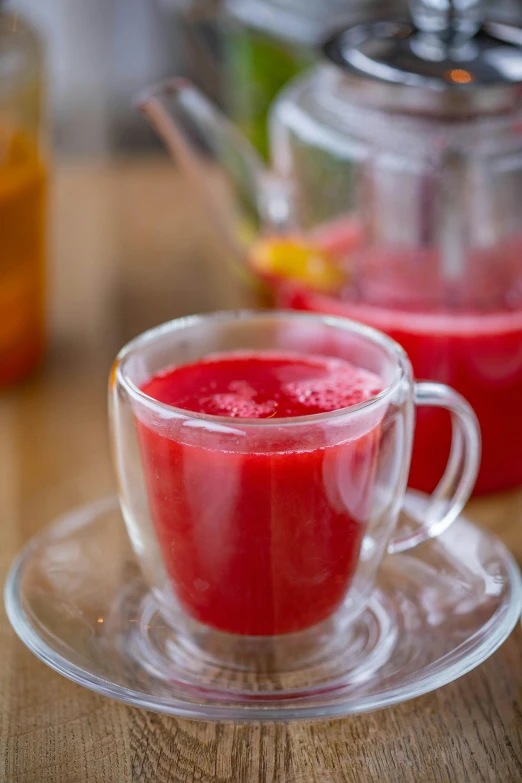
(129,252)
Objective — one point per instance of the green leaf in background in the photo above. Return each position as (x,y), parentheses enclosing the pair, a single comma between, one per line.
(257,67)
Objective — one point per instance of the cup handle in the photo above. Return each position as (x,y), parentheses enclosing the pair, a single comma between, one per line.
(454,489)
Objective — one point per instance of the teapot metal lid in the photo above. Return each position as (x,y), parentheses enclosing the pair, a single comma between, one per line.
(445,57)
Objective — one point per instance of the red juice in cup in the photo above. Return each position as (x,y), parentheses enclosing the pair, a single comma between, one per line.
(260,540)
(476,348)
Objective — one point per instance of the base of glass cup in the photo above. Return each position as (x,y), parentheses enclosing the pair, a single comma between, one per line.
(339,648)
(285,652)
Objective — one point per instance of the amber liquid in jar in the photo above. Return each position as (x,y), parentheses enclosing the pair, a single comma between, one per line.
(22,254)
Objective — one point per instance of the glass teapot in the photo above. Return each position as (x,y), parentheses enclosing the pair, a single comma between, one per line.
(395,198)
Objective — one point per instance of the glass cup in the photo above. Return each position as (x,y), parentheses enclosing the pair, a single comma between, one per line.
(261,540)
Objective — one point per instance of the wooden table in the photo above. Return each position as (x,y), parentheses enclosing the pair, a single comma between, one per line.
(126,255)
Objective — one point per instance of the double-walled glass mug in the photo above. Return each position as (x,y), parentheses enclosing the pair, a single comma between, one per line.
(261,539)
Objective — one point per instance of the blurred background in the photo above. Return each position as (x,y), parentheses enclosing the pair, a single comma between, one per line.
(90,59)
(117,252)
(100,53)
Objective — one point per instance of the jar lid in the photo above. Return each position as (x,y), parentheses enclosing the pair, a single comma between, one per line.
(447,52)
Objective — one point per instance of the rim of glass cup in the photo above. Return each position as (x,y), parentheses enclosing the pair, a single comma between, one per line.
(118,374)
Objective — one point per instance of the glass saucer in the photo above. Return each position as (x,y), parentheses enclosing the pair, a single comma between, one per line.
(76,598)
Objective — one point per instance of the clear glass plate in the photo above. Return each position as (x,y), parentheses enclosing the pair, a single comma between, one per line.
(76,598)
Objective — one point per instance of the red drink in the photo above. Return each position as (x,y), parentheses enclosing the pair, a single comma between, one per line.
(477,350)
(260,536)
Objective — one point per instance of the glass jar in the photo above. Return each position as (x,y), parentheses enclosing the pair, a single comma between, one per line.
(23,176)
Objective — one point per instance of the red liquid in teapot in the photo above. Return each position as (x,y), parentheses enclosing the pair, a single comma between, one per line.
(261,536)
(477,351)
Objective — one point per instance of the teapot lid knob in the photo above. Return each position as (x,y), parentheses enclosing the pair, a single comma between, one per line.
(446,48)
(447,18)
